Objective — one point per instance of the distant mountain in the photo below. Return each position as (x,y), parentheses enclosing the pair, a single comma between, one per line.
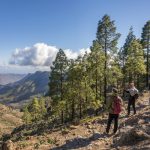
(10,78)
(1,86)
(18,93)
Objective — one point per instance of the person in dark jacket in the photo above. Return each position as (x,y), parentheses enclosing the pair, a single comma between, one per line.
(114,112)
(131,102)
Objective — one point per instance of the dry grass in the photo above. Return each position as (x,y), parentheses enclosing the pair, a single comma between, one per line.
(9,119)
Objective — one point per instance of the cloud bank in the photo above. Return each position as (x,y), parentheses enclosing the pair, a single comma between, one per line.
(41,54)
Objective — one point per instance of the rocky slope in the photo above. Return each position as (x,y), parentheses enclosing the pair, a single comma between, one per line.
(133,133)
(20,92)
(9,119)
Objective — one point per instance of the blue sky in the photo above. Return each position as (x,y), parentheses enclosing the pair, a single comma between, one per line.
(67,24)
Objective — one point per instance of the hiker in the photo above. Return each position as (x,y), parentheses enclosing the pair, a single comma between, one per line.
(133,96)
(114,106)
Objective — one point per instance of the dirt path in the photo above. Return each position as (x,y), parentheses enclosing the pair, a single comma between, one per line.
(91,135)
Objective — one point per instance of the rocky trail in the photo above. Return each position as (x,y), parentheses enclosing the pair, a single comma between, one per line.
(133,133)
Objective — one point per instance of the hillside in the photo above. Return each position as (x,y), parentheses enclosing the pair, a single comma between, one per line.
(9,119)
(10,78)
(133,133)
(20,92)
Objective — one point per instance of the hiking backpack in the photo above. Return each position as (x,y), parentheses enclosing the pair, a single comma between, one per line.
(117,105)
(136,96)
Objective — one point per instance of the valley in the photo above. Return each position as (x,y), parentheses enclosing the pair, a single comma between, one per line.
(21,92)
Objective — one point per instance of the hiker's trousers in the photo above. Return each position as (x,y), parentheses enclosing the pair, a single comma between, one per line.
(112,117)
(131,102)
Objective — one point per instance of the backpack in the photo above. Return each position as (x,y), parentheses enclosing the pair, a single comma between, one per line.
(117,105)
(136,96)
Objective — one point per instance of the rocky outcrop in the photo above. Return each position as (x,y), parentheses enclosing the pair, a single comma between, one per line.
(9,145)
(132,136)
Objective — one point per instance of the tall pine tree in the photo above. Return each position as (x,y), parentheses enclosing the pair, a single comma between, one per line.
(107,38)
(57,79)
(146,45)
(124,51)
(58,76)
(134,66)
(129,39)
(96,59)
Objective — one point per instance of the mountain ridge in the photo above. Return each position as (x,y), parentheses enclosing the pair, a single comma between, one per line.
(7,78)
(17,93)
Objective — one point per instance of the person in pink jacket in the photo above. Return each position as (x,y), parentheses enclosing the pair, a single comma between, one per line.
(114,107)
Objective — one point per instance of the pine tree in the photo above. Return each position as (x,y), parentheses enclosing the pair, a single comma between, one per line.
(77,87)
(135,61)
(115,74)
(79,95)
(26,115)
(42,105)
(129,39)
(35,110)
(57,76)
(70,94)
(107,38)
(146,45)
(86,96)
(60,109)
(124,53)
(96,59)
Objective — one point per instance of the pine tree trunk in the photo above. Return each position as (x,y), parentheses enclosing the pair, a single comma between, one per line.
(147,67)
(124,80)
(105,68)
(117,84)
(62,117)
(61,80)
(85,92)
(73,105)
(105,79)
(80,107)
(73,110)
(66,113)
(105,87)
(100,88)
(96,84)
(138,82)
(130,78)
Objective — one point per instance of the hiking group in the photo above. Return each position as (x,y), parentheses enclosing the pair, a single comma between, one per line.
(115,105)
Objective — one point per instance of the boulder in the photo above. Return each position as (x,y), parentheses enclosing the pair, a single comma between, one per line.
(132,137)
(141,121)
(8,145)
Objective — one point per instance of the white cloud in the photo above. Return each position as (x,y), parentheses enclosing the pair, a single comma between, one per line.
(70,54)
(82,51)
(41,54)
